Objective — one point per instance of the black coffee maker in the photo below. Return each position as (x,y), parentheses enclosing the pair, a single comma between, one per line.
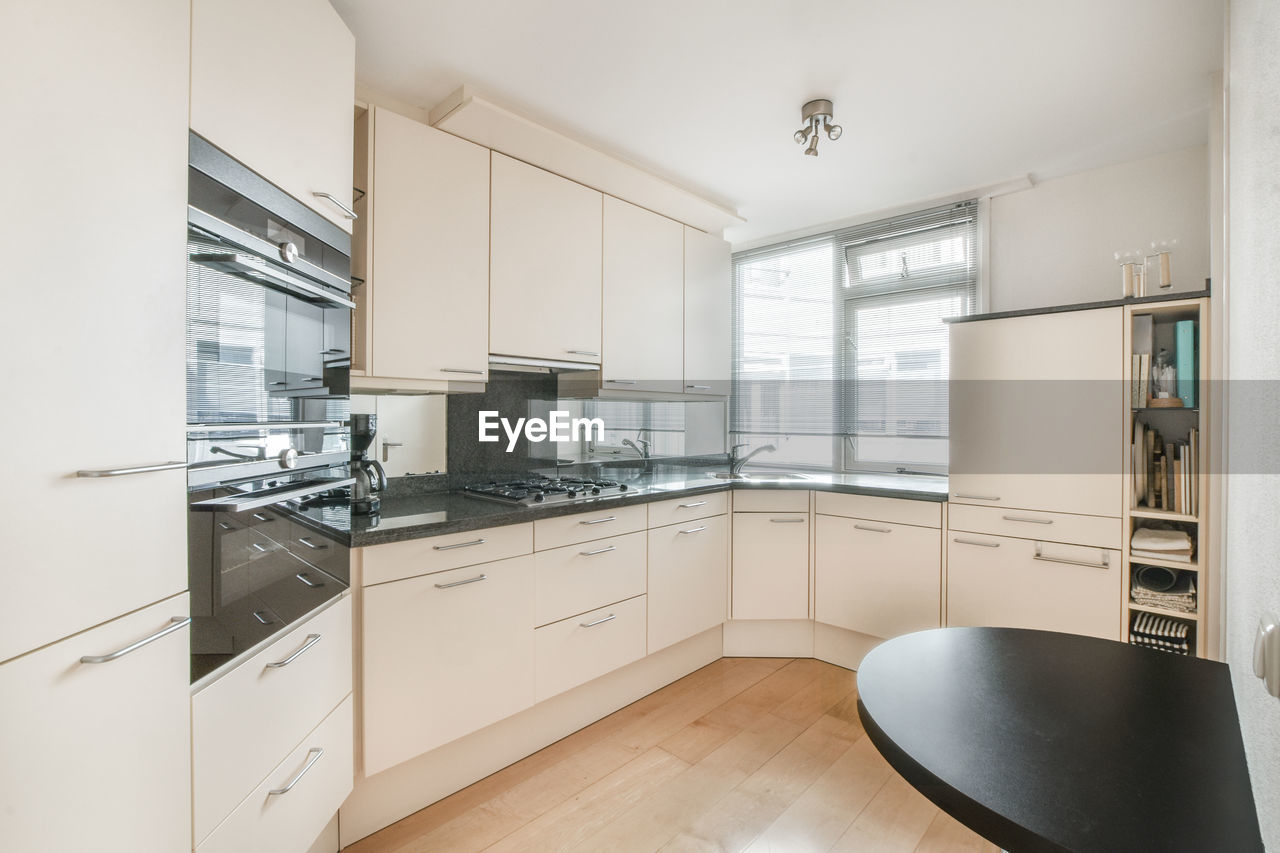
(368,473)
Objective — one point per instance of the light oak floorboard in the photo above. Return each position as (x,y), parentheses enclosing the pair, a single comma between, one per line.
(764,755)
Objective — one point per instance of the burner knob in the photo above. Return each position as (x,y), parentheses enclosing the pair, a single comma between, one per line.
(288,252)
(622,487)
(595,490)
(537,498)
(288,458)
(572,493)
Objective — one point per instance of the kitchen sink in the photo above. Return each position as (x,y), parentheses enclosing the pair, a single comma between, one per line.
(762,477)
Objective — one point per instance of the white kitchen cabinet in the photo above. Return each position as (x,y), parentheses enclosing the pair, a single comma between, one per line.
(707,297)
(770,565)
(583,577)
(545,265)
(1037,412)
(581,648)
(643,300)
(93,322)
(1022,583)
(688,576)
(423,309)
(877,577)
(272,85)
(97,756)
(444,655)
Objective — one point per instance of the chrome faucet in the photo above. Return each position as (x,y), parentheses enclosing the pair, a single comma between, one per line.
(644,453)
(736,462)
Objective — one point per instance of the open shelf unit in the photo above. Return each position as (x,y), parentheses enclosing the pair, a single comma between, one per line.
(1185,426)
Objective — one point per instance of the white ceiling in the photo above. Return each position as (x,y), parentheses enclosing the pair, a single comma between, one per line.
(935,96)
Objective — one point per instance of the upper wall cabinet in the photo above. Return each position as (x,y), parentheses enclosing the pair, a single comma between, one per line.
(272,85)
(643,300)
(545,257)
(421,248)
(706,313)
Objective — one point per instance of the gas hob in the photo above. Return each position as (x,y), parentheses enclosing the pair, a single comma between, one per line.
(539,491)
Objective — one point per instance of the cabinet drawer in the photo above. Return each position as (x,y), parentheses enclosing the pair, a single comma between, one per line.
(895,510)
(999,581)
(688,580)
(578,578)
(246,721)
(1095,530)
(1078,494)
(572,529)
(444,655)
(318,774)
(876,577)
(578,649)
(771,500)
(683,509)
(415,557)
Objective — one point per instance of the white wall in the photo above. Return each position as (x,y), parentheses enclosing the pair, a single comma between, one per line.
(1054,244)
(1253,307)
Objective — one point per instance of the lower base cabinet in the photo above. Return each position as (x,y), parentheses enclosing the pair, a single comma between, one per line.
(290,808)
(771,565)
(576,650)
(96,756)
(688,579)
(444,655)
(1022,583)
(877,578)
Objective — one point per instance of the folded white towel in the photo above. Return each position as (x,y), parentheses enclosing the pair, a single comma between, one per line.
(1150,539)
(1176,557)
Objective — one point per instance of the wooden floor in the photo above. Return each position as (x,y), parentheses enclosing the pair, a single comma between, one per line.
(746,754)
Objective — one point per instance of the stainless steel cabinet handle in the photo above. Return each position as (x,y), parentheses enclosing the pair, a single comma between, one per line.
(600,520)
(788,520)
(583,352)
(457,545)
(976,542)
(597,551)
(302,576)
(461,370)
(313,379)
(306,540)
(386,448)
(699,387)
(977,497)
(475,579)
(177,623)
(226,526)
(622,381)
(692,505)
(140,469)
(261,549)
(313,755)
(598,621)
(346,211)
(257,614)
(1104,564)
(873,529)
(312,639)
(278,383)
(693,529)
(260,516)
(1026,520)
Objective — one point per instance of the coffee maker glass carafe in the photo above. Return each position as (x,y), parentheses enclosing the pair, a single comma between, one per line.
(370,479)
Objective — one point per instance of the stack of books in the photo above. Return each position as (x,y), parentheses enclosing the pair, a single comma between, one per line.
(1184,361)
(1165,473)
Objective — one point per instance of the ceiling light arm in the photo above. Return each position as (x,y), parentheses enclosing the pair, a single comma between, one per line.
(816,116)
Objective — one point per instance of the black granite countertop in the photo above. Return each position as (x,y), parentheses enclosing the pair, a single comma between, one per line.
(434,513)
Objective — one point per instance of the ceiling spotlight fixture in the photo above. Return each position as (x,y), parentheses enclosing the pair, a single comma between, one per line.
(814,114)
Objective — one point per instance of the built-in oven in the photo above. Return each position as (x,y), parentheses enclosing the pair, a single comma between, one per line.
(268,332)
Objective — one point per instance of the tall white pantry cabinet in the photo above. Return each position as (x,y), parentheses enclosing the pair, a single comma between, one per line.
(95,745)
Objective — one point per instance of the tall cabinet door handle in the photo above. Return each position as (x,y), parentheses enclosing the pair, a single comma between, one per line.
(177,623)
(138,469)
(337,202)
(313,755)
(312,639)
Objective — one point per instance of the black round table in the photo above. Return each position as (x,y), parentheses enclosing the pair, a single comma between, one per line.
(1045,741)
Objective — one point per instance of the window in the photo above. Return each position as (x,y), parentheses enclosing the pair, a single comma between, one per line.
(840,352)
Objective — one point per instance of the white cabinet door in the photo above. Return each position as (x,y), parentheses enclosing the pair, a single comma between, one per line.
(771,565)
(688,574)
(707,285)
(93,316)
(272,84)
(444,655)
(545,256)
(427,236)
(1037,412)
(875,577)
(996,580)
(643,300)
(584,647)
(97,756)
